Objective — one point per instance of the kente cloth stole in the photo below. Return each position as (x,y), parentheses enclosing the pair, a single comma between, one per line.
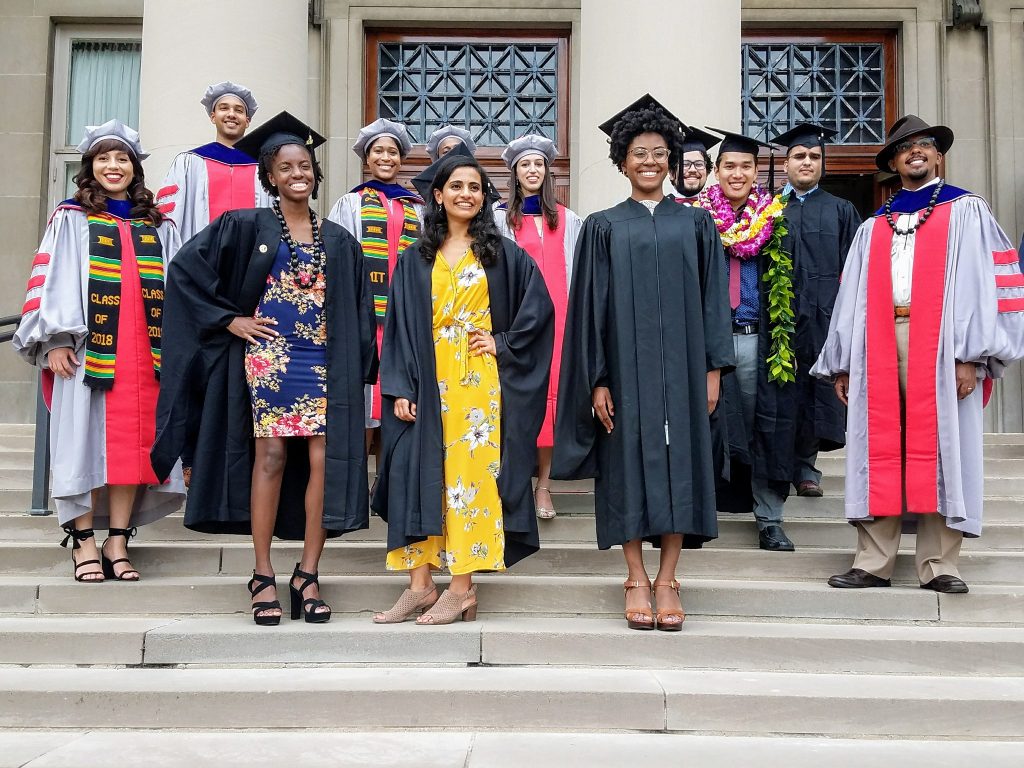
(378,254)
(105,252)
(886,478)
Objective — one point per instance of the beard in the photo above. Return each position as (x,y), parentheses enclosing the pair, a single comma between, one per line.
(690,187)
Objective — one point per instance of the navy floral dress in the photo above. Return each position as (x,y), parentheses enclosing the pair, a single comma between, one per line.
(287,375)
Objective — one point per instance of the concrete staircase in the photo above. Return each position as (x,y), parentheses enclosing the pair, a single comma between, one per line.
(772,668)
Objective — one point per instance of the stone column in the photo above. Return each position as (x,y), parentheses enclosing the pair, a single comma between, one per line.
(685,53)
(190,44)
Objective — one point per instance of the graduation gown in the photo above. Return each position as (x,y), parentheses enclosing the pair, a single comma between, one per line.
(203,183)
(411,476)
(55,315)
(648,318)
(967,305)
(820,231)
(219,275)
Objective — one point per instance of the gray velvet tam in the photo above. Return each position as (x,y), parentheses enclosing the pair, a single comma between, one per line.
(446,131)
(112,129)
(218,91)
(379,128)
(531,144)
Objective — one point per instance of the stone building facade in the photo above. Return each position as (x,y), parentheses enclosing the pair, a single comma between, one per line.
(502,66)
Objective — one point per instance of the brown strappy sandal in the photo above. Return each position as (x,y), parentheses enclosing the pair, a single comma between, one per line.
(638,618)
(669,626)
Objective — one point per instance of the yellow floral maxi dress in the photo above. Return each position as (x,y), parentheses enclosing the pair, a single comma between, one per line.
(470,392)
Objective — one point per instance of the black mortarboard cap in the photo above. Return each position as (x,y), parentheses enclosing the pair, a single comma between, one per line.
(737,142)
(283,128)
(644,102)
(425,178)
(697,140)
(805,135)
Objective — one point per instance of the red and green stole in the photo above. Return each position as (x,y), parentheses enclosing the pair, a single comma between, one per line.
(383,242)
(105,252)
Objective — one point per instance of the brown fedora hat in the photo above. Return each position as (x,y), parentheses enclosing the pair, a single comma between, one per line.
(911,125)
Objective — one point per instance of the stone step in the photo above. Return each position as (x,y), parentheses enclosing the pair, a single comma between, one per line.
(704,644)
(487,749)
(558,596)
(557,559)
(834,465)
(734,531)
(517,698)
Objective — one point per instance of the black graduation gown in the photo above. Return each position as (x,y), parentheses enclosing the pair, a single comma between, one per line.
(220,274)
(648,317)
(410,485)
(820,231)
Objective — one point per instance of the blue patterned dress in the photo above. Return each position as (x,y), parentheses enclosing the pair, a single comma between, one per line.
(287,375)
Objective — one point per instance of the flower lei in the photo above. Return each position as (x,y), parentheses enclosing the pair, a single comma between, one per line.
(760,228)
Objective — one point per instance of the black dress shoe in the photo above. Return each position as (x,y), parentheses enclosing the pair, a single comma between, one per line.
(948,584)
(774,539)
(855,578)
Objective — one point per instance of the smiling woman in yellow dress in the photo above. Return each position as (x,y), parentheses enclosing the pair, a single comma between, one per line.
(468,340)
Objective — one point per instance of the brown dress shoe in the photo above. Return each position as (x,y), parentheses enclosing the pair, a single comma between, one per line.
(855,578)
(948,584)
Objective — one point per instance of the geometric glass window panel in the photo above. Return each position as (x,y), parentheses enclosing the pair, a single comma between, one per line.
(104,84)
(496,91)
(838,85)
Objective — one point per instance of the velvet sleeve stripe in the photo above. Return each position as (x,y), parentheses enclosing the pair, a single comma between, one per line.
(168,190)
(31,305)
(41,260)
(1006,257)
(1013,280)
(1011,305)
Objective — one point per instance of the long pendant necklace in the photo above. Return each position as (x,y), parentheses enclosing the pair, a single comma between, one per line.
(921,219)
(305,279)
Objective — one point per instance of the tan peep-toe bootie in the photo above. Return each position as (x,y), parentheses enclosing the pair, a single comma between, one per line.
(451,606)
(409,603)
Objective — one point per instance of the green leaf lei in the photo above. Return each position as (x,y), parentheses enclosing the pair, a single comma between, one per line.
(779,276)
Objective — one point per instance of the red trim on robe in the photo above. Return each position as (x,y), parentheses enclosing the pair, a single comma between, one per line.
(885,490)
(231,187)
(1011,305)
(31,305)
(35,281)
(928,287)
(131,404)
(549,253)
(41,260)
(1016,280)
(168,190)
(166,208)
(395,228)
(1005,257)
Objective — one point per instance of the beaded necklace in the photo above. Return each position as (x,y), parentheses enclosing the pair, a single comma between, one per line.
(921,219)
(303,278)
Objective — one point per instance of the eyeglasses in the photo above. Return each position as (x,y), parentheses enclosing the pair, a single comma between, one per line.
(697,165)
(660,154)
(924,142)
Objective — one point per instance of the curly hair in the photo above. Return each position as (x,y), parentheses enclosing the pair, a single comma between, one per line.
(267,157)
(548,201)
(486,238)
(93,197)
(645,120)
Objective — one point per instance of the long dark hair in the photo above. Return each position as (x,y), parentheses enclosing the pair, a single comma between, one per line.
(548,201)
(486,238)
(93,197)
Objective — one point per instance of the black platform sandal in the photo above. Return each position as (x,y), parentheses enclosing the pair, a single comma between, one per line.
(75,536)
(267,605)
(307,607)
(108,565)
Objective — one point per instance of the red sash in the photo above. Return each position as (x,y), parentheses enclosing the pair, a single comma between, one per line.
(231,187)
(549,253)
(883,399)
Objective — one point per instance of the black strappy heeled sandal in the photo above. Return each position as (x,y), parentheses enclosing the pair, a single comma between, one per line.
(307,607)
(75,536)
(108,565)
(267,605)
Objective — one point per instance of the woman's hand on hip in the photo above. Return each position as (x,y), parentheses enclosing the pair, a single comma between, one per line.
(253,328)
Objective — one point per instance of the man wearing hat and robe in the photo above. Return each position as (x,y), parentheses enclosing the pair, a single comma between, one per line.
(691,176)
(930,311)
(206,181)
(820,228)
(446,138)
(385,218)
(756,474)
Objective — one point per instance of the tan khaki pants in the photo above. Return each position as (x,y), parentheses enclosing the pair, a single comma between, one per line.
(878,540)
